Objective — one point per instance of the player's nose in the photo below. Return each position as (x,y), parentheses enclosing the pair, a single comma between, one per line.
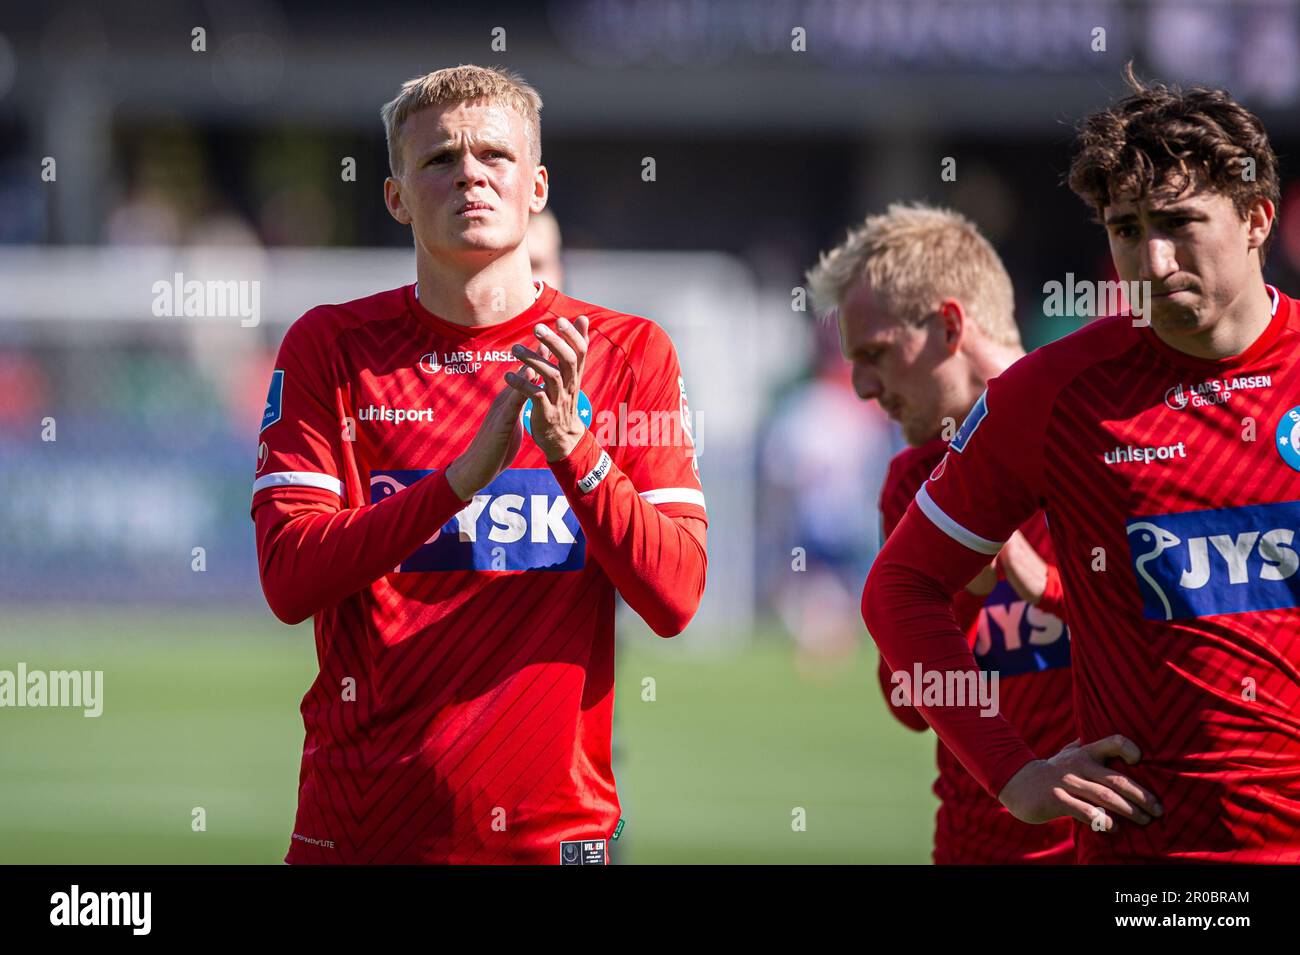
(469,171)
(866,383)
(1158,259)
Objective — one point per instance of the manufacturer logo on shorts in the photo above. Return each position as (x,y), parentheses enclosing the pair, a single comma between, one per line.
(1288,437)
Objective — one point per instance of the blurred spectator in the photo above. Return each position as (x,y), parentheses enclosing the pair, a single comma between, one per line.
(24,391)
(543,241)
(823,461)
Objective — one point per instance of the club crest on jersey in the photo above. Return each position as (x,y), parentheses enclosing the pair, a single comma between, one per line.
(274,400)
(1288,437)
(1203,563)
(1015,637)
(977,413)
(521,521)
(584,412)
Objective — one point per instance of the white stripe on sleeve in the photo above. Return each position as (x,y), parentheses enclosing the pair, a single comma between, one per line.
(952,528)
(675,495)
(326,482)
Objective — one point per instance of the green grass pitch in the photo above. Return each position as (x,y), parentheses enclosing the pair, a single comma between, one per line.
(201,711)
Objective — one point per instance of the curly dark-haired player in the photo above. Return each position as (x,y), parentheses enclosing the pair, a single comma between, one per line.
(1165,458)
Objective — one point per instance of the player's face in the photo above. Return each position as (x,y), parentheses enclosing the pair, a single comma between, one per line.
(468,185)
(1194,249)
(893,363)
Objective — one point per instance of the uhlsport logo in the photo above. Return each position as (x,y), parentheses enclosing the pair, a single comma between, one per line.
(1132,454)
(1014,637)
(1288,437)
(521,521)
(383,413)
(1203,563)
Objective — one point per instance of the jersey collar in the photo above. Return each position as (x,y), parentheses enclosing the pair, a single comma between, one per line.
(1282,306)
(534,313)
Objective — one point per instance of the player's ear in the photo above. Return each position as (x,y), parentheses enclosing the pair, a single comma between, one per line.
(541,190)
(393,200)
(954,323)
(1259,221)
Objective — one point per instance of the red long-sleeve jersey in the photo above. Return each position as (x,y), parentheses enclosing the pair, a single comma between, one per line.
(466,648)
(1029,647)
(1170,485)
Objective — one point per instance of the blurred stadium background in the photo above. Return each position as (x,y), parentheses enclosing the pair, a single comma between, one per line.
(230,164)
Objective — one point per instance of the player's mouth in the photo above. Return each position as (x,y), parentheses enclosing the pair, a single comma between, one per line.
(1167,293)
(474,210)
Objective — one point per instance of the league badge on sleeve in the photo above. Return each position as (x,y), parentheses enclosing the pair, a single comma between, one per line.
(1288,437)
(977,413)
(274,399)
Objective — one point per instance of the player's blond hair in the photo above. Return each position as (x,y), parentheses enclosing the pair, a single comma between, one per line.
(913,256)
(463,84)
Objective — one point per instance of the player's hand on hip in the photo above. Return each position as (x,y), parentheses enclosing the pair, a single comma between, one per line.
(554,386)
(493,447)
(1076,782)
(1023,568)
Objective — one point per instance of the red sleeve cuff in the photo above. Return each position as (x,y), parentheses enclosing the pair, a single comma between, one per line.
(1053,599)
(570,470)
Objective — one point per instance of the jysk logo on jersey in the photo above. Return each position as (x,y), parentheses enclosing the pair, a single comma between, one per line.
(1015,637)
(1288,437)
(274,399)
(521,521)
(1202,563)
(977,413)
